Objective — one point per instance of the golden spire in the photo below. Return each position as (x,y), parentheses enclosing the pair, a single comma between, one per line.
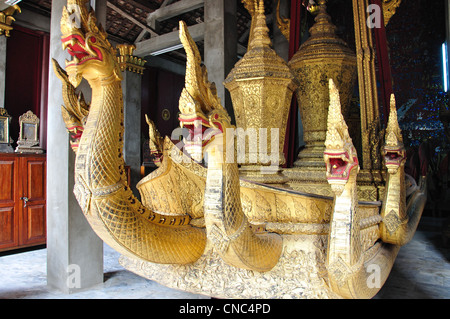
(393,132)
(263,69)
(260,60)
(324,28)
(337,130)
(261,87)
(261,31)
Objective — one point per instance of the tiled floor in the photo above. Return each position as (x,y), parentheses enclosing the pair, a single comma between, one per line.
(422,267)
(422,270)
(24,276)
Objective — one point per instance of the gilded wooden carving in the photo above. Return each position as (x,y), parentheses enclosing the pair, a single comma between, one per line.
(389,9)
(261,87)
(321,57)
(127,61)
(205,230)
(6,19)
(28,141)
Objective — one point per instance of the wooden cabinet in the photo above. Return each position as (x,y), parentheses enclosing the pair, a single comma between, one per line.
(22,200)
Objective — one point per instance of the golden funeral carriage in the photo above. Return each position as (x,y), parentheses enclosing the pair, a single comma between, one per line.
(329,227)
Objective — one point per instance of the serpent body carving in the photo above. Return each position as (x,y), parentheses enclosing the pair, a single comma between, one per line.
(400,218)
(345,261)
(100,183)
(226,224)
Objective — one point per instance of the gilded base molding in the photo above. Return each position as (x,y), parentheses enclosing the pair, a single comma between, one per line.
(300,273)
(371,184)
(264,175)
(309,174)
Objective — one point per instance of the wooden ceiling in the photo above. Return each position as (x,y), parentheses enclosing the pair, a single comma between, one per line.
(126,18)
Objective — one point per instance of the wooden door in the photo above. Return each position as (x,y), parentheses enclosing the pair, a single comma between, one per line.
(26,76)
(9,208)
(33,201)
(161,91)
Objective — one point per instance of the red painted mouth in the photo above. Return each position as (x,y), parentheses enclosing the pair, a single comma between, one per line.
(339,165)
(199,130)
(77,132)
(394,157)
(77,48)
(196,127)
(200,134)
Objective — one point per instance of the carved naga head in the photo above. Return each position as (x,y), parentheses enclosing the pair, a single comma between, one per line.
(394,150)
(93,57)
(340,155)
(201,112)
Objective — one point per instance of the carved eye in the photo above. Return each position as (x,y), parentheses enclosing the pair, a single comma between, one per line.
(93,39)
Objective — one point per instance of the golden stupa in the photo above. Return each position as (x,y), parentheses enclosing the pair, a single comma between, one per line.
(323,56)
(261,86)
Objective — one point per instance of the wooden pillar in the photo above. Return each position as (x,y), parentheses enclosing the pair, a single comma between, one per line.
(370,116)
(384,66)
(74,252)
(220,45)
(132,69)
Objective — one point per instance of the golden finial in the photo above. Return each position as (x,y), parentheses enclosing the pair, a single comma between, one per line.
(337,130)
(261,32)
(393,132)
(315,8)
(334,110)
(198,91)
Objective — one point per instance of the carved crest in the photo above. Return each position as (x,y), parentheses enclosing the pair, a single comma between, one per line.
(29,134)
(338,137)
(394,136)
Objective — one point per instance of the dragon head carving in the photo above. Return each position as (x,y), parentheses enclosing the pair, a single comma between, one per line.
(93,57)
(394,151)
(155,143)
(75,110)
(74,118)
(201,112)
(340,155)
